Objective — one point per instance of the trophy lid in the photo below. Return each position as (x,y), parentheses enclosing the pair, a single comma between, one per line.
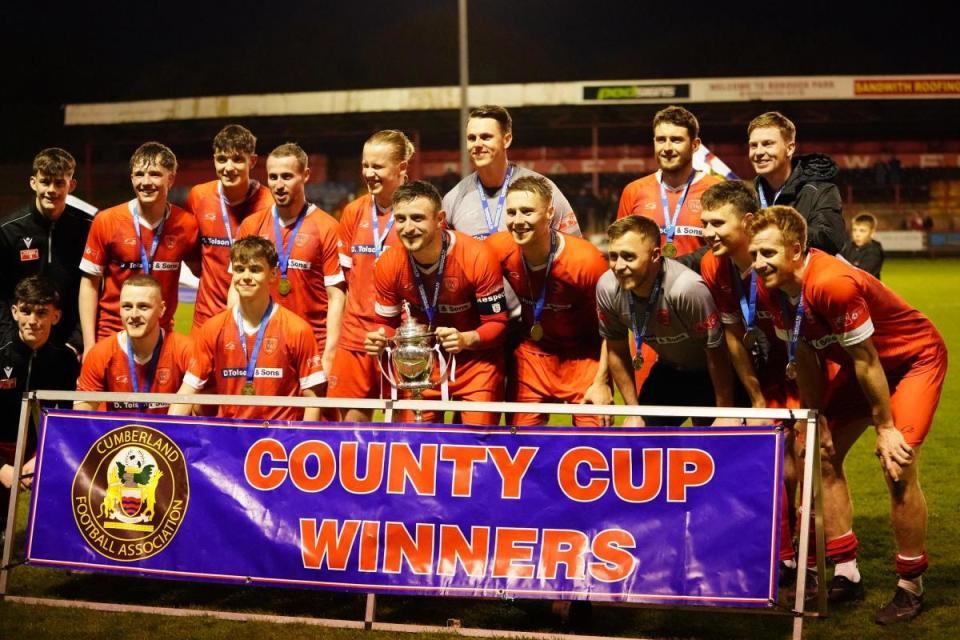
(409,327)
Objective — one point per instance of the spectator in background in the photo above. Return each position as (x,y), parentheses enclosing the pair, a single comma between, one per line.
(802,182)
(46,238)
(914,222)
(861,250)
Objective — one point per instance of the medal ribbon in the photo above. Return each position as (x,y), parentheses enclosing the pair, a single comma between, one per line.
(748,308)
(670,218)
(541,300)
(251,360)
(285,248)
(145,260)
(640,327)
(223,214)
(378,239)
(430,307)
(792,336)
(150,369)
(493,224)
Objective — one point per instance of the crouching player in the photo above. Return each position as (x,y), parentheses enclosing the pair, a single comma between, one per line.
(453,285)
(256,347)
(884,365)
(143,358)
(555,276)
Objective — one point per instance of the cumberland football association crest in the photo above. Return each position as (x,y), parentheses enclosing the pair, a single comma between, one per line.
(130,493)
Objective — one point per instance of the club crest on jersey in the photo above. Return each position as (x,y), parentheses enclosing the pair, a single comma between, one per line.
(695,206)
(451,284)
(170,242)
(302,239)
(130,493)
(7,382)
(163,375)
(270,345)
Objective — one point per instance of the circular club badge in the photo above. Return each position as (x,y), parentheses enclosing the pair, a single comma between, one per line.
(130,494)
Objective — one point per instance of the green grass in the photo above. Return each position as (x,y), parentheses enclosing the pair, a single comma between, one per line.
(931,286)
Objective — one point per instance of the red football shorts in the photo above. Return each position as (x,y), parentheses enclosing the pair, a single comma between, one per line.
(541,377)
(355,374)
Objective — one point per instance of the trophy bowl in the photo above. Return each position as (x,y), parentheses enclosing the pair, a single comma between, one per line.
(411,354)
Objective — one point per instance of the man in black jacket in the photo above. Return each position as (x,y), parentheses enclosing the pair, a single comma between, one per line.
(47,238)
(803,182)
(30,359)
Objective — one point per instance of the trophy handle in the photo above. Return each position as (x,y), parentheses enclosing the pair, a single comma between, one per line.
(386,372)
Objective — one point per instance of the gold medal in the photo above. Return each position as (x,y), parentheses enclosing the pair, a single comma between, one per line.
(792,370)
(536,331)
(248,389)
(284,286)
(638,362)
(670,250)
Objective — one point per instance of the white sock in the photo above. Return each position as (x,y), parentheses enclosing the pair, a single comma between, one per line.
(789,564)
(914,586)
(848,570)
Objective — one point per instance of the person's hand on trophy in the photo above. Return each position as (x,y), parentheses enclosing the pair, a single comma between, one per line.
(454,341)
(375,342)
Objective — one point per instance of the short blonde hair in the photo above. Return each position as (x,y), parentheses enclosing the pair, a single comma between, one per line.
(787,219)
(774,119)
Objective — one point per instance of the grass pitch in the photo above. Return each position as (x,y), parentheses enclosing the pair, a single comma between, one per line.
(933,286)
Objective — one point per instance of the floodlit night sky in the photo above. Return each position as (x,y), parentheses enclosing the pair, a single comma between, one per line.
(107,51)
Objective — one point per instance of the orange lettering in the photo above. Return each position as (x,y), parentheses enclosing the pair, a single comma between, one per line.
(463,458)
(421,473)
(506,552)
(471,554)
(615,563)
(623,475)
(566,548)
(326,466)
(567,474)
(513,469)
(350,474)
(253,464)
(399,546)
(327,543)
(369,545)
(687,468)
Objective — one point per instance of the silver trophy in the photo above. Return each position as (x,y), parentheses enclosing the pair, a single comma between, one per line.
(410,355)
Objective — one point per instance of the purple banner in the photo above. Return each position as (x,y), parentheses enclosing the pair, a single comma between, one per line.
(666,516)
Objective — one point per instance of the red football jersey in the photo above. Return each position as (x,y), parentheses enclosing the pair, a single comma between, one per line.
(205,202)
(844,306)
(642,197)
(569,319)
(358,257)
(113,252)
(106,368)
(314,264)
(288,362)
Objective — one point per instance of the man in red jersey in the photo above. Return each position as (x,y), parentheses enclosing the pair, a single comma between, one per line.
(219,207)
(671,196)
(256,347)
(310,281)
(145,235)
(756,353)
(884,364)
(555,276)
(143,358)
(366,230)
(454,286)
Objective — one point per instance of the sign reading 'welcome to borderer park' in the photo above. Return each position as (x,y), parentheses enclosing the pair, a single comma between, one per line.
(669,516)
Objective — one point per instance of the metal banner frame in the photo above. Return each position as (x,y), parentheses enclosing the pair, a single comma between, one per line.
(811,502)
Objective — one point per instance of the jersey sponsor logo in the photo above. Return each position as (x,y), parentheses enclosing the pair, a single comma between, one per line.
(453,308)
(301,265)
(165,266)
(137,406)
(365,248)
(680,337)
(130,241)
(685,231)
(650,206)
(27,255)
(8,382)
(495,297)
(210,215)
(213,241)
(824,341)
(259,372)
(230,346)
(130,493)
(548,305)
(120,379)
(27,242)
